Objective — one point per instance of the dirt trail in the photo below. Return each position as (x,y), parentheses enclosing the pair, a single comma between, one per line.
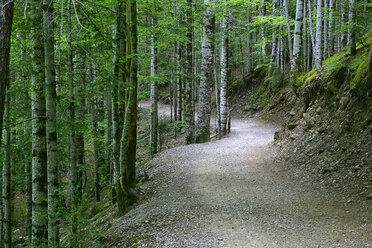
(230,193)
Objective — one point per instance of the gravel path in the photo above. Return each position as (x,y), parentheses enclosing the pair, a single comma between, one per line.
(230,193)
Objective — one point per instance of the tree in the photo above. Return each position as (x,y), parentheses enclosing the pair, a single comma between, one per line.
(7,192)
(51,125)
(318,39)
(154,94)
(297,37)
(204,114)
(224,73)
(189,113)
(128,142)
(39,156)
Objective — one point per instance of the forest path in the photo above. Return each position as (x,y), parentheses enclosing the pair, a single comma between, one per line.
(230,193)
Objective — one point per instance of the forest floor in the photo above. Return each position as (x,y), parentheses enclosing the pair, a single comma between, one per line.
(233,193)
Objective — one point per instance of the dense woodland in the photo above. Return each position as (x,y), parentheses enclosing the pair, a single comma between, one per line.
(73,72)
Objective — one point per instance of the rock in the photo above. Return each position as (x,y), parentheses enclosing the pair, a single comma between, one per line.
(292,113)
(344,101)
(319,110)
(292,125)
(369,197)
(247,108)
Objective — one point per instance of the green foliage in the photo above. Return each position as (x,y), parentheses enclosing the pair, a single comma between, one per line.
(361,72)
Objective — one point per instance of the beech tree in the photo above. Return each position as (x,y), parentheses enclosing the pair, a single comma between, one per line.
(206,77)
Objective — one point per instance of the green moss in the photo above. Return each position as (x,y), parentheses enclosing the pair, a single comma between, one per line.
(303,80)
(360,74)
(334,63)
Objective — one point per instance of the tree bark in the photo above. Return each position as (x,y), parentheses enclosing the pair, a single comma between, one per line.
(318,39)
(297,38)
(7,192)
(118,94)
(51,125)
(331,28)
(224,74)
(325,33)
(6,20)
(126,194)
(352,30)
(189,113)
(39,156)
(154,94)
(288,30)
(204,113)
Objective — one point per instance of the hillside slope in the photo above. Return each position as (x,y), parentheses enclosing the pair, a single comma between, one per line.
(326,135)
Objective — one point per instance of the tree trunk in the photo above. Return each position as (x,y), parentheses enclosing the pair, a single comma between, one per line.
(305,40)
(224,72)
(108,148)
(179,84)
(6,20)
(39,156)
(154,94)
(189,113)
(325,46)
(331,29)
(7,192)
(249,65)
(318,39)
(288,30)
(352,30)
(204,112)
(96,149)
(28,177)
(118,94)
(297,39)
(51,127)
(126,194)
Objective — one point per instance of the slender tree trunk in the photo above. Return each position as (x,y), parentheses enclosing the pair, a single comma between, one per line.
(28,178)
(7,192)
(51,127)
(96,149)
(127,195)
(180,84)
(288,30)
(73,174)
(318,40)
(204,115)
(175,84)
(218,99)
(352,30)
(305,39)
(342,14)
(297,38)
(189,113)
(249,66)
(325,46)
(331,28)
(108,148)
(39,156)
(224,72)
(154,94)
(6,20)
(118,95)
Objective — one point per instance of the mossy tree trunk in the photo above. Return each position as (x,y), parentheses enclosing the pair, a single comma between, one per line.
(127,182)
(39,156)
(118,91)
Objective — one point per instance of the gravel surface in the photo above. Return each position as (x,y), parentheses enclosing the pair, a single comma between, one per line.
(231,193)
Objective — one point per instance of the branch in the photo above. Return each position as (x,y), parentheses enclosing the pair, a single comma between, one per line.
(17,123)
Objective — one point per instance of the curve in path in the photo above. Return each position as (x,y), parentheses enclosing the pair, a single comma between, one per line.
(230,193)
